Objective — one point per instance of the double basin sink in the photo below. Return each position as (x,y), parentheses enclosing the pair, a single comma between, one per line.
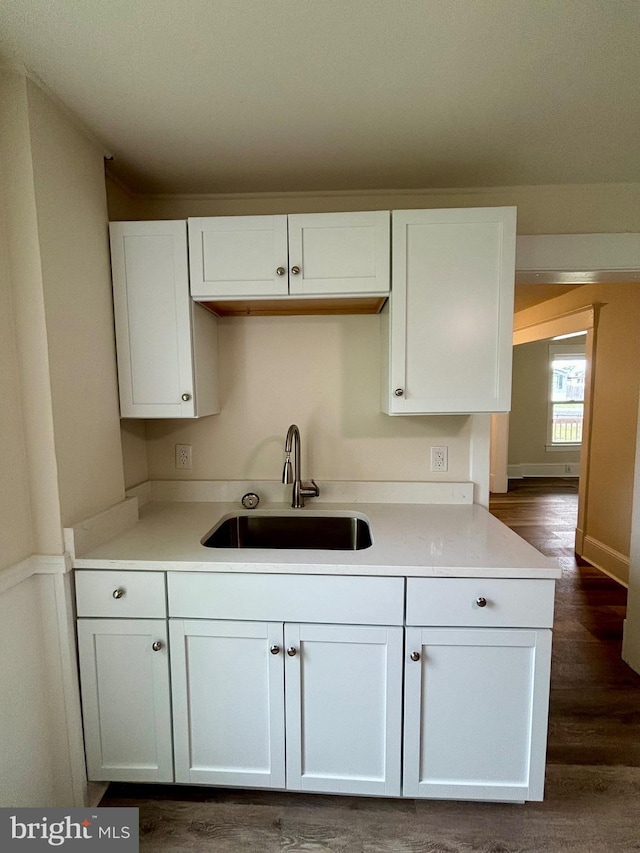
(300,531)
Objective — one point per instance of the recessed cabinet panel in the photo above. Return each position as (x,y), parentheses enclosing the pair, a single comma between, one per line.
(450,312)
(125,699)
(343,709)
(238,256)
(488,689)
(159,330)
(339,253)
(150,268)
(228,702)
(456,314)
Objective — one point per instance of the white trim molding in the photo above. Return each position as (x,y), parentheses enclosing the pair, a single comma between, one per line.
(580,319)
(543,469)
(36,564)
(577,258)
(607,559)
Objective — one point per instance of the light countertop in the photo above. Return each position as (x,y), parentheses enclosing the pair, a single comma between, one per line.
(412,540)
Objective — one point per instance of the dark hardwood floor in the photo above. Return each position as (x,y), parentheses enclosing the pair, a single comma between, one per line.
(595,697)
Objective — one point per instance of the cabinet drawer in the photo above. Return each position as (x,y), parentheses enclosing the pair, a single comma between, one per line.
(287,598)
(510,603)
(121,594)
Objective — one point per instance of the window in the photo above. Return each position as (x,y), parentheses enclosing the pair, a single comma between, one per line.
(567,370)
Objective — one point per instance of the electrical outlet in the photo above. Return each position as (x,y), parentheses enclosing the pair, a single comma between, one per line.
(439,458)
(183,456)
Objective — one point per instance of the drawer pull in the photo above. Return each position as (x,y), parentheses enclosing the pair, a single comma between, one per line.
(415,655)
(481,602)
(157,646)
(292,651)
(275,650)
(118,593)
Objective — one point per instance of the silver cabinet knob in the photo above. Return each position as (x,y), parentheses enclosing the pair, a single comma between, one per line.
(399,392)
(275,650)
(186,397)
(280,271)
(295,270)
(292,651)
(481,602)
(118,593)
(157,646)
(415,655)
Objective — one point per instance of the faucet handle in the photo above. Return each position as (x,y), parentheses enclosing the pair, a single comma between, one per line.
(309,489)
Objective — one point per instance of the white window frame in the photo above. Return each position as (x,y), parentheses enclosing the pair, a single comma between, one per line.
(566,351)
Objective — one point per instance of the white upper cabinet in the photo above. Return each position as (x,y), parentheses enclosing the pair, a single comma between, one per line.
(166,344)
(238,256)
(311,254)
(339,253)
(449,320)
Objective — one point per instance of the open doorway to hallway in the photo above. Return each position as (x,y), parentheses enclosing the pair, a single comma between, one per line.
(544,511)
(595,697)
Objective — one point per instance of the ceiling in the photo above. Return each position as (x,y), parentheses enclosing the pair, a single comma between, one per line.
(224,96)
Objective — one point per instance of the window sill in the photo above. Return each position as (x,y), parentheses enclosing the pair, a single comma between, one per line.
(561,447)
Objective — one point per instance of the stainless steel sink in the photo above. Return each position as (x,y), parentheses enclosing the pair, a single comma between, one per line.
(320,532)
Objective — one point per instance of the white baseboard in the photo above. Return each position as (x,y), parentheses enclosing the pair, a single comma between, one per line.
(543,469)
(631,645)
(607,559)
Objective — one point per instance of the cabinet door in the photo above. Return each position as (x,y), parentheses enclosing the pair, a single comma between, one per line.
(344,686)
(166,345)
(476,704)
(339,253)
(228,702)
(450,321)
(234,256)
(125,699)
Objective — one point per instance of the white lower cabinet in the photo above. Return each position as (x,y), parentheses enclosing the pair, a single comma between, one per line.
(342,714)
(452,706)
(344,708)
(228,702)
(126,702)
(476,704)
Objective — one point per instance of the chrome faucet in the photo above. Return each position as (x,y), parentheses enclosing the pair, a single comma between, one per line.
(301,490)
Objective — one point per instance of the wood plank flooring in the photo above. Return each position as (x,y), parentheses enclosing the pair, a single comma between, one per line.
(592,792)
(595,697)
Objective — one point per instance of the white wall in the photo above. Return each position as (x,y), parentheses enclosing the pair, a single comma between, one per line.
(528,454)
(551,209)
(16,537)
(73,238)
(60,453)
(32,393)
(322,373)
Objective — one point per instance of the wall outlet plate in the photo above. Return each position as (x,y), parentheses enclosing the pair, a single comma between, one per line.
(440,458)
(183,456)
